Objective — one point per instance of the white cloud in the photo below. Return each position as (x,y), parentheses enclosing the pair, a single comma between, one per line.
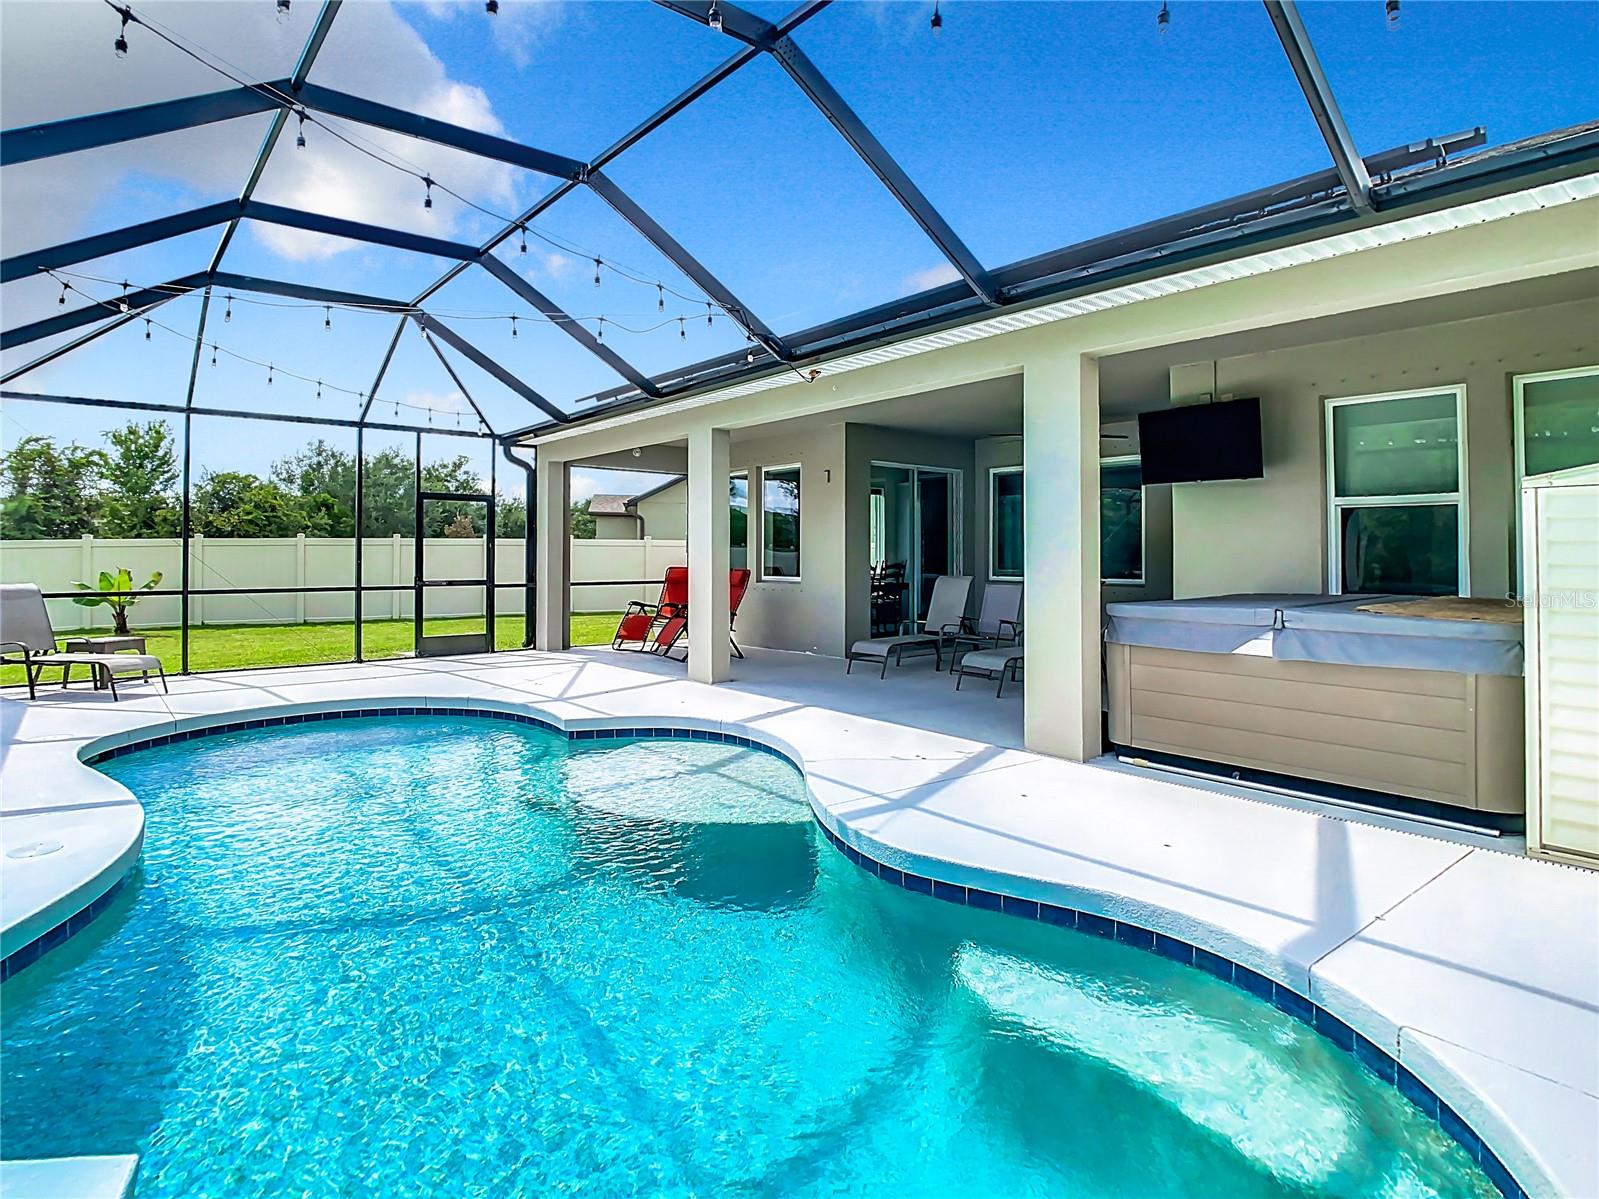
(552,264)
(933,276)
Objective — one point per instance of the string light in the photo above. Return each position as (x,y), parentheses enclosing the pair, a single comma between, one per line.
(708,321)
(227,316)
(65,288)
(319,389)
(299,140)
(269,374)
(122,303)
(146,328)
(213,353)
(713,16)
(121,44)
(283,11)
(327,319)
(523,230)
(938,19)
(1391,9)
(597,265)
(660,298)
(491,7)
(427,200)
(513,328)
(1163,18)
(682,333)
(602,329)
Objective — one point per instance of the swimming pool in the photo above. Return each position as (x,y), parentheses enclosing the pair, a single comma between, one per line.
(423,955)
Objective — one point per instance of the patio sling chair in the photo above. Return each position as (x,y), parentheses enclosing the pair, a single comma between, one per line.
(999,622)
(671,635)
(642,624)
(992,663)
(945,613)
(27,638)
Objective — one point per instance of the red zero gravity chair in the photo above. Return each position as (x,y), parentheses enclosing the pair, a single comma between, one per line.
(659,627)
(642,624)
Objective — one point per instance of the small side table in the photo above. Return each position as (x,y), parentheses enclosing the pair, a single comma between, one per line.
(133,642)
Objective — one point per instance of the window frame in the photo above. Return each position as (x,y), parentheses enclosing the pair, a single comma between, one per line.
(993,516)
(1143,518)
(741,473)
(1336,505)
(799,504)
(1518,435)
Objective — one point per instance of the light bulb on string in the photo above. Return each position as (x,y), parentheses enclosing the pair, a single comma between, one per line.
(713,16)
(299,140)
(213,353)
(660,297)
(227,315)
(327,318)
(427,200)
(522,229)
(597,265)
(269,375)
(283,11)
(602,329)
(65,287)
(121,44)
(707,314)
(491,6)
(938,19)
(146,328)
(682,333)
(1163,18)
(513,328)
(1391,10)
(122,300)
(319,389)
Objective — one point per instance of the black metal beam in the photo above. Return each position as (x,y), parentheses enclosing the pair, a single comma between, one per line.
(315,222)
(471,141)
(1301,52)
(456,379)
(836,109)
(79,342)
(285,418)
(313,46)
(691,267)
(729,19)
(229,281)
(89,314)
(33,142)
(470,352)
(569,325)
(130,237)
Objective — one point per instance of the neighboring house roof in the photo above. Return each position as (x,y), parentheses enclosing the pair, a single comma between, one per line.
(656,490)
(609,505)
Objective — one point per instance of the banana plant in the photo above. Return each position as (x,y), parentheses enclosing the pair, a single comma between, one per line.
(106,592)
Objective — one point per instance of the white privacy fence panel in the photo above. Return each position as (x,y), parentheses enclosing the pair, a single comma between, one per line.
(247,564)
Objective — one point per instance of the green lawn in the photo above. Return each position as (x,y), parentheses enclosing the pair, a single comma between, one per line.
(234,646)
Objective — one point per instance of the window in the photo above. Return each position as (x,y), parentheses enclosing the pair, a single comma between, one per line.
(780,523)
(1005,523)
(1121,520)
(879,526)
(738,519)
(1557,421)
(1396,516)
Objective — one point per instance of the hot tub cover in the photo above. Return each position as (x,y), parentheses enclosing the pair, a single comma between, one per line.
(1336,631)
(1216,624)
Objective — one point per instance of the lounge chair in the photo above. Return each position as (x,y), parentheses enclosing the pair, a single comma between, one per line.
(642,624)
(26,638)
(998,623)
(945,613)
(738,585)
(991,663)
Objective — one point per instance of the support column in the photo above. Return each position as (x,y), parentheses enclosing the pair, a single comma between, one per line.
(708,555)
(552,628)
(1060,453)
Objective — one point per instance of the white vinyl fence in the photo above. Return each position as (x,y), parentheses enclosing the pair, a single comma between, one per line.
(245,564)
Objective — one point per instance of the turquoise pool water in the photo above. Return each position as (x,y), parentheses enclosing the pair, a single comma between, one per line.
(459,957)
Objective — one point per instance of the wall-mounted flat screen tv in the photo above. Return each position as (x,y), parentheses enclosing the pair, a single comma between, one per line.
(1195,443)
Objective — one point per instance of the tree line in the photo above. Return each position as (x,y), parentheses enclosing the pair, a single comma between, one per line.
(132,488)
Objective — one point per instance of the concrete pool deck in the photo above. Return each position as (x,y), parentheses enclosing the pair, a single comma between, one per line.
(1476,968)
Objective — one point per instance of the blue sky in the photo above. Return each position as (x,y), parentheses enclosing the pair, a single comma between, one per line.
(1030,126)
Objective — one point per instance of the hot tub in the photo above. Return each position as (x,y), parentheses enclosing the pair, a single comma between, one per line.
(1314,687)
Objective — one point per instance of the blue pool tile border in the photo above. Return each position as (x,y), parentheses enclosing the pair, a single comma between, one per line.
(1368,1053)
(1376,1060)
